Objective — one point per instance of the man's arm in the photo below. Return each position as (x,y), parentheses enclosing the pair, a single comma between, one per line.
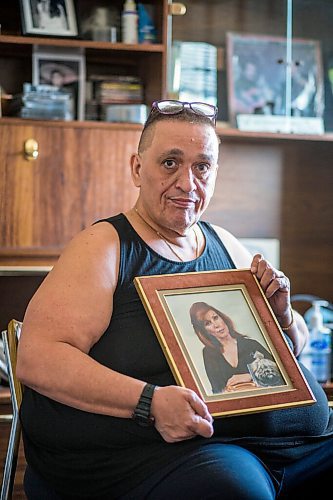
(276,287)
(67,316)
(299,333)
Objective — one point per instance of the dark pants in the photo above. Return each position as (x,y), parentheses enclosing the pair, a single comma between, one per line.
(219,471)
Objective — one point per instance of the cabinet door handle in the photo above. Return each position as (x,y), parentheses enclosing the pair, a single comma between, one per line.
(31,150)
(177,9)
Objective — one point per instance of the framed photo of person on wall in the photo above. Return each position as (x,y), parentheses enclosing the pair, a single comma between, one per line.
(64,69)
(266,84)
(196,316)
(49,17)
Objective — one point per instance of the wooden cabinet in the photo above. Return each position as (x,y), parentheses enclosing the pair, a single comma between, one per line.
(82,170)
(147,61)
(81,174)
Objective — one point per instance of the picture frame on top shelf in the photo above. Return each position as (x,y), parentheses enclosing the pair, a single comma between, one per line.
(56,18)
(65,69)
(266,93)
(271,379)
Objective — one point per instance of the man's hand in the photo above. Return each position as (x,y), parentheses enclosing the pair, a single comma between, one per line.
(276,287)
(180,414)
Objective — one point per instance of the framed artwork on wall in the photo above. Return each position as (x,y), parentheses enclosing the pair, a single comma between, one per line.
(264,84)
(194,314)
(49,17)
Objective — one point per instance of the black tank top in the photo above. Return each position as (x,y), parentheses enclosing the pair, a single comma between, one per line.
(96,456)
(130,337)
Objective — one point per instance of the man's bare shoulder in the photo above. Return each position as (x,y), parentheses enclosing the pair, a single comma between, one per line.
(97,241)
(239,254)
(91,256)
(101,230)
(79,289)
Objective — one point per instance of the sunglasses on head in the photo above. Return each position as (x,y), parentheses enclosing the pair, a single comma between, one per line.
(172,107)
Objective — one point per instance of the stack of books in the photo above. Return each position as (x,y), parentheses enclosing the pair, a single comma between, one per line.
(117,98)
(117,89)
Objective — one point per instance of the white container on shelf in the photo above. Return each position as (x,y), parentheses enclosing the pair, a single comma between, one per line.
(129,22)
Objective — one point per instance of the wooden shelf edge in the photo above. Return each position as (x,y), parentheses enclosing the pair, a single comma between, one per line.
(235,134)
(71,123)
(29,257)
(76,42)
(31,251)
(24,270)
(225,133)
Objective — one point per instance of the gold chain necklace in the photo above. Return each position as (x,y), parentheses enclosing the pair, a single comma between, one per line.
(166,240)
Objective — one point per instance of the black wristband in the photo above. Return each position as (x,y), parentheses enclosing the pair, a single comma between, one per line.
(141,414)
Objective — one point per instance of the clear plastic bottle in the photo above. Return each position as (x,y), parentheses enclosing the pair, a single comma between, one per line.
(129,21)
(317,356)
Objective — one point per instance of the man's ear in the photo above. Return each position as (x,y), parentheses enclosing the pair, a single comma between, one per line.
(135,169)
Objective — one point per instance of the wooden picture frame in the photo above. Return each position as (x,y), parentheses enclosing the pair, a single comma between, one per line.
(70,68)
(56,18)
(168,299)
(257,76)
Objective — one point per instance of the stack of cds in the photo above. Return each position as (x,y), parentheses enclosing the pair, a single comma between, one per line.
(46,102)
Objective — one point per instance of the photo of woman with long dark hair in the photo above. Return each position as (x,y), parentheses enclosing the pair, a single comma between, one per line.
(231,358)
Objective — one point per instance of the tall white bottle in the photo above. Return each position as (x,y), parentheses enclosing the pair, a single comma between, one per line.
(319,352)
(129,21)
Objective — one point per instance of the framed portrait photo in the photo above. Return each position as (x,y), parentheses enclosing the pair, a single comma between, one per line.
(265,85)
(64,69)
(49,17)
(222,340)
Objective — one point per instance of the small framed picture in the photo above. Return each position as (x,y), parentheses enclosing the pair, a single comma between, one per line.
(49,17)
(222,340)
(265,80)
(64,69)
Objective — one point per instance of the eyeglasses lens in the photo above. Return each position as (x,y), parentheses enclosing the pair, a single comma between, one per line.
(203,109)
(170,107)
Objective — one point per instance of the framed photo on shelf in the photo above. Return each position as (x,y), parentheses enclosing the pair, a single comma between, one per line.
(197,315)
(64,69)
(49,17)
(265,86)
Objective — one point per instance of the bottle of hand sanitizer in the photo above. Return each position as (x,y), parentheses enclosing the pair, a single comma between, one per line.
(319,349)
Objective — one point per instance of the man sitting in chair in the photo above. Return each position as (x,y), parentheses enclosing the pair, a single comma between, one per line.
(102,417)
